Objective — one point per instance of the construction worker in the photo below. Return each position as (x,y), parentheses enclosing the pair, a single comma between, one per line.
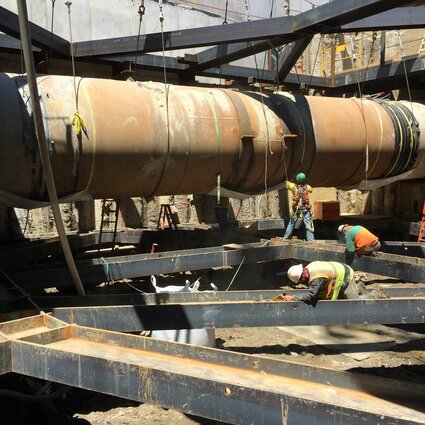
(326,280)
(301,209)
(359,240)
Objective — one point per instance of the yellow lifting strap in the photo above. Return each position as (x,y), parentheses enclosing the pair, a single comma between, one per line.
(78,123)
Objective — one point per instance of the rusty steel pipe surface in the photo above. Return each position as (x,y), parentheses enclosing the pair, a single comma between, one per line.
(141,143)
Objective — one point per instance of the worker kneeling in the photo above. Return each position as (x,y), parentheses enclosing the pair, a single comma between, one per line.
(359,240)
(326,280)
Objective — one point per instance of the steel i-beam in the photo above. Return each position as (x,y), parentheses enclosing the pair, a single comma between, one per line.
(229,387)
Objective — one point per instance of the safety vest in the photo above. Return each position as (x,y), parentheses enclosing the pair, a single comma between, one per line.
(333,272)
(300,197)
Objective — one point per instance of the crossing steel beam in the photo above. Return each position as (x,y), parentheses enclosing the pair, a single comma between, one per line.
(40,37)
(208,296)
(288,28)
(114,268)
(230,387)
(407,269)
(394,19)
(134,318)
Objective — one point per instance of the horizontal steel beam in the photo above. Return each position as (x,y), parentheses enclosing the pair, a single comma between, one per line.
(306,24)
(40,37)
(230,387)
(395,19)
(115,268)
(313,21)
(245,314)
(381,74)
(182,39)
(403,268)
(51,301)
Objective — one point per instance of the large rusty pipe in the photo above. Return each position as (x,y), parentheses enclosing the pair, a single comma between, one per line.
(251,140)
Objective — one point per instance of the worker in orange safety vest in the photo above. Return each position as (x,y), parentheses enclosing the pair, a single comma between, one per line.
(359,240)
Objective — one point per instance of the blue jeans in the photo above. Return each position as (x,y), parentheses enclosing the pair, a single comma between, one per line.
(299,215)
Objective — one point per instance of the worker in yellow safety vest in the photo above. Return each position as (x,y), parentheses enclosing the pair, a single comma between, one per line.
(326,280)
(301,208)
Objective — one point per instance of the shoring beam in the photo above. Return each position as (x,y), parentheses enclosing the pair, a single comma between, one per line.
(115,268)
(134,318)
(104,270)
(407,269)
(48,302)
(230,387)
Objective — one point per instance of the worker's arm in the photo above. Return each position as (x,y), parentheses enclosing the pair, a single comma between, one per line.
(312,296)
(350,245)
(289,185)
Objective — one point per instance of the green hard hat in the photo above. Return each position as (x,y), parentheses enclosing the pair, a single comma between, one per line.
(301,177)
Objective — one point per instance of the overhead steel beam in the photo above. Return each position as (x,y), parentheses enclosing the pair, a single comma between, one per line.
(316,20)
(114,268)
(381,74)
(134,318)
(40,37)
(290,55)
(224,386)
(395,19)
(306,24)
(183,39)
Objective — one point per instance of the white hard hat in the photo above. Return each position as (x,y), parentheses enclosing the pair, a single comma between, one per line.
(341,228)
(294,272)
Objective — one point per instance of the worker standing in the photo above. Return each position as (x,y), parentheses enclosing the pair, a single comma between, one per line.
(326,280)
(301,209)
(359,240)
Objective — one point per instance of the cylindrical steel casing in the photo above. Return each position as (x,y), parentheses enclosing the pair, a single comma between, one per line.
(140,141)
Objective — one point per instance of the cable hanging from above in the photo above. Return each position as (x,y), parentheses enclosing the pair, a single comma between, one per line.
(141,12)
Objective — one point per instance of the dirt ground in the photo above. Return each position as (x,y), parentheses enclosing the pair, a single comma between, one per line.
(403,357)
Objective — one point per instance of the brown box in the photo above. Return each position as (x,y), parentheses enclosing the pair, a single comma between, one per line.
(326,210)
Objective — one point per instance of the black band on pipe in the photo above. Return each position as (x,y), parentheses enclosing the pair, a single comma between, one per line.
(406,142)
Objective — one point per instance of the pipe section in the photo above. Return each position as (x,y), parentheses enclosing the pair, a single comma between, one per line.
(251,141)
